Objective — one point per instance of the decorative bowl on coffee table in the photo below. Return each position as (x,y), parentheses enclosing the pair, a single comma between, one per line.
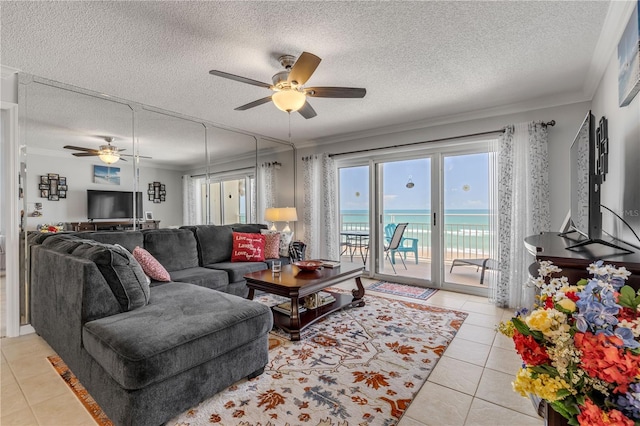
(308,265)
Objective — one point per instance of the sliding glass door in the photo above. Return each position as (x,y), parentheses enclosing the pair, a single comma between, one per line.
(435,203)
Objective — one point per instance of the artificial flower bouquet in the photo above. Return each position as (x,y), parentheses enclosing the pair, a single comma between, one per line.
(580,346)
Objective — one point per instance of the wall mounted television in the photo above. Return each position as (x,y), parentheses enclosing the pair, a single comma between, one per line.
(112,204)
(586,181)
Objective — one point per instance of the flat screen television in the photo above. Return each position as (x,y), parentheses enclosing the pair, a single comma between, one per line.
(586,181)
(586,217)
(112,204)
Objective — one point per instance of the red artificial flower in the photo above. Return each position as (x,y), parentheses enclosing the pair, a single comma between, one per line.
(531,352)
(572,295)
(627,314)
(548,303)
(603,358)
(592,415)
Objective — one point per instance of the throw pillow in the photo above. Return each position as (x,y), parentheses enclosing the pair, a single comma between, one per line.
(285,240)
(272,246)
(121,271)
(150,265)
(247,247)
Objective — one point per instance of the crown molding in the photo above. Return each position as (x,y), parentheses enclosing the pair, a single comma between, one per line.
(6,72)
(529,105)
(614,24)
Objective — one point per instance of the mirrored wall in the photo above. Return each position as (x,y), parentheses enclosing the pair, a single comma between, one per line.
(172,169)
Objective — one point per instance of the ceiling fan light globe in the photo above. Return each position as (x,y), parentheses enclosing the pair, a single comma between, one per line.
(289,100)
(109,157)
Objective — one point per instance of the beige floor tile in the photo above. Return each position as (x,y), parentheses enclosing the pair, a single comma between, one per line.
(30,366)
(483,320)
(408,421)
(10,341)
(457,375)
(445,301)
(42,387)
(495,387)
(503,342)
(482,308)
(468,351)
(436,405)
(6,376)
(62,410)
(476,334)
(504,360)
(19,418)
(484,413)
(12,400)
(27,348)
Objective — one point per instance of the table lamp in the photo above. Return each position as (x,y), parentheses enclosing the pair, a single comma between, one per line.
(272,214)
(288,214)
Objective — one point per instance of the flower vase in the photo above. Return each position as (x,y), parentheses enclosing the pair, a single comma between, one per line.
(551,416)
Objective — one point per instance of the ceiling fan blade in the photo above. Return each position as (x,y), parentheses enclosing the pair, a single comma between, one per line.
(85,154)
(303,68)
(307,111)
(240,79)
(78,148)
(138,156)
(336,92)
(253,104)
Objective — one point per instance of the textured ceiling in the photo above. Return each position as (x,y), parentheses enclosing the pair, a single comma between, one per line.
(417,60)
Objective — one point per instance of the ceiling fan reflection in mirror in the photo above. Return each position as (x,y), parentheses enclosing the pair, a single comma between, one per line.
(108,153)
(288,85)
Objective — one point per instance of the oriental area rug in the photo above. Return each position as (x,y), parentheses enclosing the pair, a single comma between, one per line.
(358,366)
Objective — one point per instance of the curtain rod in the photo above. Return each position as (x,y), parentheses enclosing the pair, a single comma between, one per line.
(490,132)
(223,171)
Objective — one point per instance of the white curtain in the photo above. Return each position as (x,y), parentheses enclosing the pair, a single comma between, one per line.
(267,189)
(523,197)
(320,219)
(191,203)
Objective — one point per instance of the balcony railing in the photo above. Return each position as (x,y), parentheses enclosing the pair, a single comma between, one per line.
(463,239)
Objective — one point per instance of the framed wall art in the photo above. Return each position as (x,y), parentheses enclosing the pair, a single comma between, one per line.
(629,59)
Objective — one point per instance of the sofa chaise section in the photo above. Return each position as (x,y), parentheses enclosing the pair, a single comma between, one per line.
(144,365)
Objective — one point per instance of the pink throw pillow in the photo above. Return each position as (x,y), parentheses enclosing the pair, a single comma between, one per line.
(247,247)
(271,246)
(150,265)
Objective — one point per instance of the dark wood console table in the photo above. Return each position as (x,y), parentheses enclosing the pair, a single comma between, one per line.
(552,247)
(116,225)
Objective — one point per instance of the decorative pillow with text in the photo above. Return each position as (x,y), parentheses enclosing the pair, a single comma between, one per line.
(247,247)
(150,265)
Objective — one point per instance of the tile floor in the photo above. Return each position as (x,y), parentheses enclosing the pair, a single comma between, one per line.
(470,385)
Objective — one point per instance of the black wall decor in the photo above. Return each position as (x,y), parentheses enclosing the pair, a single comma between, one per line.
(53,187)
(157,192)
(602,146)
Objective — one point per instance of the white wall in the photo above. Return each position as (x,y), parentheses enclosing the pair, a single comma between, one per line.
(79,174)
(621,190)
(568,119)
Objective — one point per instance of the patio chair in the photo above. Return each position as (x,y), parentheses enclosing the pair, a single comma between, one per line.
(394,243)
(407,245)
(485,264)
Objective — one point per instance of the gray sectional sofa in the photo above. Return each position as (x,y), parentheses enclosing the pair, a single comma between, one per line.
(149,352)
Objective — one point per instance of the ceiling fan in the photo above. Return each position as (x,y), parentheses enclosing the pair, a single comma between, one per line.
(290,95)
(108,153)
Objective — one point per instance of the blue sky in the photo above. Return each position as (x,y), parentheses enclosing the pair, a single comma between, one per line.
(465,184)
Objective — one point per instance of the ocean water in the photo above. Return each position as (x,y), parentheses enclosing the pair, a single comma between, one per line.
(466,231)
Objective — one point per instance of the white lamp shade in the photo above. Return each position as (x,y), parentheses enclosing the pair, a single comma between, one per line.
(272,214)
(288,100)
(288,214)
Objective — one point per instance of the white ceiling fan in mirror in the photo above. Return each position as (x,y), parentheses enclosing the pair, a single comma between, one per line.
(108,153)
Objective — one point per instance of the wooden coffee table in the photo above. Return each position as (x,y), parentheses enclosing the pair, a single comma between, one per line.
(295,284)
